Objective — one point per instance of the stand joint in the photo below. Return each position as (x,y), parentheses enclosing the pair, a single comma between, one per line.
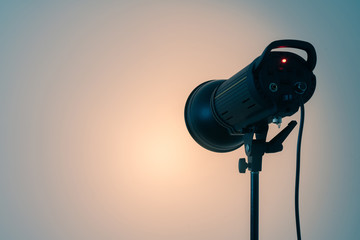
(256,148)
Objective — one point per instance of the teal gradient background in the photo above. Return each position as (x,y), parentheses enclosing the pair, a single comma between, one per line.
(93,144)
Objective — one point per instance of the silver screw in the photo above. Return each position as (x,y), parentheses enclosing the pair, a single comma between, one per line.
(277,121)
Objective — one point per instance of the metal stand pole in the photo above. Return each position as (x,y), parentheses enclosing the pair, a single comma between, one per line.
(254,210)
(255,149)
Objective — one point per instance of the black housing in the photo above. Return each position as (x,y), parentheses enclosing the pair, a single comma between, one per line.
(219,112)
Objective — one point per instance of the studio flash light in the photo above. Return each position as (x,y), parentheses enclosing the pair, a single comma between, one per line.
(219,112)
(223,115)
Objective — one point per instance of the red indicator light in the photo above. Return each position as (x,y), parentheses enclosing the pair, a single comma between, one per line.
(284,60)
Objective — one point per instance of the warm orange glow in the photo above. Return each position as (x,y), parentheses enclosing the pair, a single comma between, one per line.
(99,137)
(284,60)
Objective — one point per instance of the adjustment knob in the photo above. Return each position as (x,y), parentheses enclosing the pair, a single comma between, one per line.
(243,165)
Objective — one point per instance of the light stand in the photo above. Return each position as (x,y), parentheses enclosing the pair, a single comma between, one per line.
(255,149)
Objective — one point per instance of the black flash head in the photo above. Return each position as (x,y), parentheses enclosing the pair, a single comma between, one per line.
(219,112)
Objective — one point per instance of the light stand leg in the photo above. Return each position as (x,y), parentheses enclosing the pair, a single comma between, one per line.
(254,218)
